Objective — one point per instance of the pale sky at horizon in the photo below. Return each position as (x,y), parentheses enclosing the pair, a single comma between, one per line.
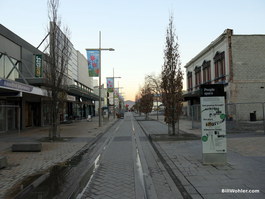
(136,29)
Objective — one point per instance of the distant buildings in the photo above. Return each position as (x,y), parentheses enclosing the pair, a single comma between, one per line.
(238,62)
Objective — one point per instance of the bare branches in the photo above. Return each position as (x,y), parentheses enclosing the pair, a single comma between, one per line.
(154,83)
(145,97)
(53,6)
(60,49)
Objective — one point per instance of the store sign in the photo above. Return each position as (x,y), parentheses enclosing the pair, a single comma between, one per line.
(211,90)
(213,125)
(38,65)
(15,85)
(71,98)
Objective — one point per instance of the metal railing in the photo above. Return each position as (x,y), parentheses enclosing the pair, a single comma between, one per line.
(240,117)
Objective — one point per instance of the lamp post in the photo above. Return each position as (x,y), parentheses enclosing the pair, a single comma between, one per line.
(99,89)
(114,112)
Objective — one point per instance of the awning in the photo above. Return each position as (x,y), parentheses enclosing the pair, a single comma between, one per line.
(75,90)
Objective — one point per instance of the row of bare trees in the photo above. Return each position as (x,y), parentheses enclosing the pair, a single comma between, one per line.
(168,86)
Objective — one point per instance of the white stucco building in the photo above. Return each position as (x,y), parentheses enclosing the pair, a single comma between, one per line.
(238,62)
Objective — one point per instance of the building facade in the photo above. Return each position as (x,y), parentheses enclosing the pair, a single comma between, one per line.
(238,62)
(23,97)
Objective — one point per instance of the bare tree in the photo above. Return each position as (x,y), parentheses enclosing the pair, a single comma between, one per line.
(172,77)
(154,83)
(57,64)
(146,101)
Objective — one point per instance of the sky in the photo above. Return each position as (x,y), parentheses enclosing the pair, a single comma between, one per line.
(136,29)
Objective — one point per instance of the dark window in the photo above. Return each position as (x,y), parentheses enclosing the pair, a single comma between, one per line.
(206,68)
(189,75)
(219,63)
(197,76)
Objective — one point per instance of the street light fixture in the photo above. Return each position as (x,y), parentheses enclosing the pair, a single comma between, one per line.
(99,91)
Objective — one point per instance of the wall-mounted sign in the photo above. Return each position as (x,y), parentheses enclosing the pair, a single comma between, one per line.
(38,65)
(70,98)
(212,90)
(15,85)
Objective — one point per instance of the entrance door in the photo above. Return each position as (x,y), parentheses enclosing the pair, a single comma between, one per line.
(2,119)
(32,114)
(11,115)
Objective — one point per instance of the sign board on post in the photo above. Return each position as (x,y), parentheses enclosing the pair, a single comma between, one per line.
(213,124)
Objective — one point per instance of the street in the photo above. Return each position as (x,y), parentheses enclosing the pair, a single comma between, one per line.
(128,167)
(118,160)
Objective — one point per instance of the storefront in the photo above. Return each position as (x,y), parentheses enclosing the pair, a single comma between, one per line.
(20,105)
(24,102)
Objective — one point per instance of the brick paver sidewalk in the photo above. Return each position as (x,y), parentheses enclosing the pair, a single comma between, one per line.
(23,164)
(244,171)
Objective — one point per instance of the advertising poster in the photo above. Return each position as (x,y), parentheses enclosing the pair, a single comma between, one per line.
(213,125)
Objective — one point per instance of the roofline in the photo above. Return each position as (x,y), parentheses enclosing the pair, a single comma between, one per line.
(211,45)
(8,34)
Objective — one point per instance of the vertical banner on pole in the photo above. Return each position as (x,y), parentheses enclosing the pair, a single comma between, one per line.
(93,63)
(116,93)
(213,124)
(110,84)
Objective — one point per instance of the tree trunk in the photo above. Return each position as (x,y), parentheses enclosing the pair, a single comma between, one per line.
(178,127)
(169,129)
(157,109)
(173,128)
(54,121)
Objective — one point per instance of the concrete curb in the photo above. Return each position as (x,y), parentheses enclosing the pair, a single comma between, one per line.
(171,173)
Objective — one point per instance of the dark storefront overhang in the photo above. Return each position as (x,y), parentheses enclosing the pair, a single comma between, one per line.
(197,94)
(33,81)
(75,90)
(9,93)
(191,95)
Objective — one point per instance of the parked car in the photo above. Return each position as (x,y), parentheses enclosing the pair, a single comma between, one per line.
(120,114)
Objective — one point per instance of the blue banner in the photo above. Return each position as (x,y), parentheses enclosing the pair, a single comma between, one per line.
(93,62)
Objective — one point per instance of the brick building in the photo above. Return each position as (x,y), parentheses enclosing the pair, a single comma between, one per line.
(238,62)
